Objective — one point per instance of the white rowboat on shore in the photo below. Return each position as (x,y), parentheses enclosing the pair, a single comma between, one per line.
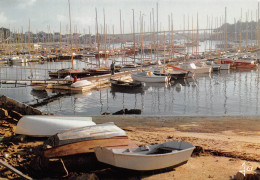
(44,126)
(146,158)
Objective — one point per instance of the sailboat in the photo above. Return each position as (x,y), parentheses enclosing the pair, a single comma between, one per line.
(147,76)
(69,71)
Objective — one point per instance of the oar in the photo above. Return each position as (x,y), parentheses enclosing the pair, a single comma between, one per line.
(14,170)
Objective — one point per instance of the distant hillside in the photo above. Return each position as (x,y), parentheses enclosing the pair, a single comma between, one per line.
(247,29)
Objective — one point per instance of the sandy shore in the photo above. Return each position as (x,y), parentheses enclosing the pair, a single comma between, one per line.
(227,143)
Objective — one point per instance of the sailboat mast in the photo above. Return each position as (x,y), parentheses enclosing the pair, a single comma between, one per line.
(29,48)
(157,33)
(258,39)
(197,38)
(97,37)
(134,32)
(60,35)
(120,30)
(71,38)
(225,29)
(246,30)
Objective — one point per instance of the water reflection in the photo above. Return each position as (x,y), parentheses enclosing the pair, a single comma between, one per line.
(39,94)
(224,93)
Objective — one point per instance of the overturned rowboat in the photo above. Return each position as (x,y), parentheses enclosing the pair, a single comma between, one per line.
(146,158)
(99,131)
(44,126)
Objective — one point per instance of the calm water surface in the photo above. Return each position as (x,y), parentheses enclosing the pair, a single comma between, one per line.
(226,93)
(229,93)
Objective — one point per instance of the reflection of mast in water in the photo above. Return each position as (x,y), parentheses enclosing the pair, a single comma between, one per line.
(135,101)
(197,100)
(107,100)
(123,103)
(239,92)
(246,92)
(257,89)
(74,104)
(101,103)
(225,95)
(211,95)
(184,98)
(158,98)
(60,103)
(235,82)
(142,97)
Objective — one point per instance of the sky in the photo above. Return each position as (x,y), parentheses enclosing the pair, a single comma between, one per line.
(50,15)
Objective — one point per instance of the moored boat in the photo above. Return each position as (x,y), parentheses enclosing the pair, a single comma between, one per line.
(173,71)
(100,71)
(65,72)
(118,84)
(195,69)
(148,77)
(238,64)
(146,158)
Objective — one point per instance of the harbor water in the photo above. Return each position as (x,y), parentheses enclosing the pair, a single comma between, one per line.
(226,93)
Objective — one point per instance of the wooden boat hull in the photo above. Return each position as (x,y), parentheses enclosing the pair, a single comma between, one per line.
(238,64)
(44,126)
(66,72)
(87,146)
(117,84)
(154,157)
(102,71)
(98,131)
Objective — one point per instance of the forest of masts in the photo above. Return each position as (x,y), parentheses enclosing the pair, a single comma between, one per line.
(143,34)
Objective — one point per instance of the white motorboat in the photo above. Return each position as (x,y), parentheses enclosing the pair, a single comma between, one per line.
(148,77)
(195,69)
(146,158)
(44,126)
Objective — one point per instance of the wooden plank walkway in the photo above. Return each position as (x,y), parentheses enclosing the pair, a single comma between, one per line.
(104,77)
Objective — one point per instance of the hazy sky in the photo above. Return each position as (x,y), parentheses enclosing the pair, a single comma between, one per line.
(43,13)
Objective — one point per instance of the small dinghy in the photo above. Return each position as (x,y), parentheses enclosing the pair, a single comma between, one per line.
(118,84)
(44,126)
(98,131)
(146,158)
(148,77)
